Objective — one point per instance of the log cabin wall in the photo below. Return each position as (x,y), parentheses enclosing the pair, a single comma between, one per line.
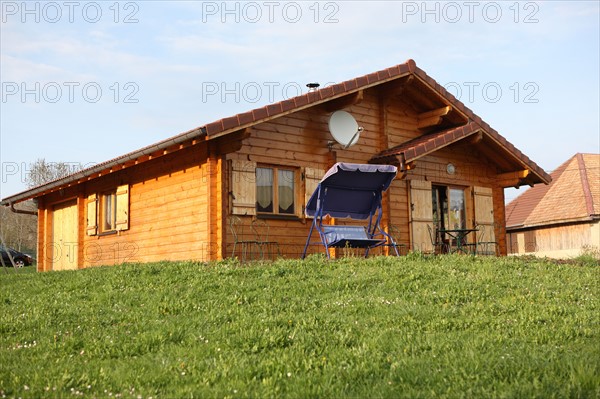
(168,213)
(180,203)
(400,125)
(300,140)
(297,140)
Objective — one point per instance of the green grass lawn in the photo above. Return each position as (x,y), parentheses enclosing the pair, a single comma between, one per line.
(414,327)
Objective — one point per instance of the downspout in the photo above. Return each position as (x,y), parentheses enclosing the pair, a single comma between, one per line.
(22,211)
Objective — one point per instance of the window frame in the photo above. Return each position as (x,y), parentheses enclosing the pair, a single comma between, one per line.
(117,200)
(275,191)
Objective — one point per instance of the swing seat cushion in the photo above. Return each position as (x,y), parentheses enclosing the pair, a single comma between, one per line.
(349,236)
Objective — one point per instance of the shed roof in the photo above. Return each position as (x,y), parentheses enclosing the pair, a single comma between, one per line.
(573,196)
(424,90)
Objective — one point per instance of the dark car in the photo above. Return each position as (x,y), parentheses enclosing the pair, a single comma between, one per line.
(19,258)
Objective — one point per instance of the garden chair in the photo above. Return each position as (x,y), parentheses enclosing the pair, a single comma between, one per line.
(261,232)
(439,246)
(483,247)
(236,225)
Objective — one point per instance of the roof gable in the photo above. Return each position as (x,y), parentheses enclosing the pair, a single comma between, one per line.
(426,90)
(426,144)
(424,86)
(310,99)
(573,195)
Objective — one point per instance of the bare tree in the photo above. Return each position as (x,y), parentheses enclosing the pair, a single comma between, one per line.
(41,172)
(19,231)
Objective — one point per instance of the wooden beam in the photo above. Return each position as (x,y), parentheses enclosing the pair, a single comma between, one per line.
(343,102)
(513,179)
(474,138)
(470,140)
(406,166)
(521,174)
(231,142)
(241,134)
(435,112)
(387,160)
(433,117)
(397,87)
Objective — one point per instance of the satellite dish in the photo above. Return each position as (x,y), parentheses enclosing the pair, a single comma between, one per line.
(344,128)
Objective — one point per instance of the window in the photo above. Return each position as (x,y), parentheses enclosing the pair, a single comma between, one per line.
(108,211)
(276,190)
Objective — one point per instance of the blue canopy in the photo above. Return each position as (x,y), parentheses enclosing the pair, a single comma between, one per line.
(350,190)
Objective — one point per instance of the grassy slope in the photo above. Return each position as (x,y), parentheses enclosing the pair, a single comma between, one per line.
(385,327)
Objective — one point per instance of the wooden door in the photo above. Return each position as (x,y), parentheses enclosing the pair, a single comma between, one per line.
(483,203)
(243,187)
(64,236)
(312,178)
(421,215)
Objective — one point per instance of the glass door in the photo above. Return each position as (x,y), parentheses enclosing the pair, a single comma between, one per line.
(456,213)
(449,211)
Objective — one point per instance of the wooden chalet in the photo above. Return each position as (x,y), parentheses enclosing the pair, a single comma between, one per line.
(560,220)
(177,199)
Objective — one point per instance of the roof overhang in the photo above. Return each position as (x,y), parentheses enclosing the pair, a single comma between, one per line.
(515,171)
(437,110)
(133,158)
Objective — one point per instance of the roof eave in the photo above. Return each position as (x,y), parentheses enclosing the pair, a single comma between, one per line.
(102,168)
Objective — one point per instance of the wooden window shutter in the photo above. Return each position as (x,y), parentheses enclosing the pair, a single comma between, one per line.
(92,215)
(483,203)
(421,215)
(243,187)
(312,177)
(122,200)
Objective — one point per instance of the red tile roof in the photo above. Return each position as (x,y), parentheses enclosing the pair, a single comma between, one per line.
(246,119)
(428,143)
(573,195)
(309,99)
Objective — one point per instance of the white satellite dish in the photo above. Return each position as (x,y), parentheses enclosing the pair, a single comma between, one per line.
(344,128)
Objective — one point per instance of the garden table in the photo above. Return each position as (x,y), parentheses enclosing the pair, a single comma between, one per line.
(459,235)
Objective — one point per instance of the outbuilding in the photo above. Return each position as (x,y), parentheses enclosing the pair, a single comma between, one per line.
(560,220)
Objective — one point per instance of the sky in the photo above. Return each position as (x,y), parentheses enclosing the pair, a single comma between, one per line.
(87,81)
